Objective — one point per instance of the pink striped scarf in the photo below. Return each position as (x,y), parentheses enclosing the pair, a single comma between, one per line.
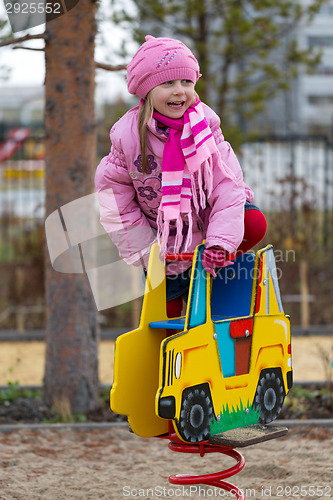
(190,149)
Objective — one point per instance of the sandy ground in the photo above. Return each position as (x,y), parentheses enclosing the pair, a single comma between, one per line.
(114,464)
(66,464)
(24,361)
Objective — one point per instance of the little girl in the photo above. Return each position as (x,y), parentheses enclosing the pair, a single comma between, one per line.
(170,170)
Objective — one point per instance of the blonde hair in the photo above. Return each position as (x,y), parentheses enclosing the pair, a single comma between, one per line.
(145,114)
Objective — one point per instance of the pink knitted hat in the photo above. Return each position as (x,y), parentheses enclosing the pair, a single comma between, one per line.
(157,61)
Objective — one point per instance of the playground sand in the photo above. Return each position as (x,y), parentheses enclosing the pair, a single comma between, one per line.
(66,464)
(114,464)
(24,361)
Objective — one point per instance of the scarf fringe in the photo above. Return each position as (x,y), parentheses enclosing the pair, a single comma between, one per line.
(163,230)
(202,197)
(188,240)
(208,176)
(194,193)
(179,234)
(202,185)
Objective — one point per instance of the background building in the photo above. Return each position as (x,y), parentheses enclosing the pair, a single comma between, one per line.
(307,108)
(315,92)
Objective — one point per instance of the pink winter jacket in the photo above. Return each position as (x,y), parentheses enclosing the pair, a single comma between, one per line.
(129,199)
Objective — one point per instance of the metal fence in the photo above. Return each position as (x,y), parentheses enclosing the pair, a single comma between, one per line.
(293,179)
(21,190)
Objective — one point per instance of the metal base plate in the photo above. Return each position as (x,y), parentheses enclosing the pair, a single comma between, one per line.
(246,436)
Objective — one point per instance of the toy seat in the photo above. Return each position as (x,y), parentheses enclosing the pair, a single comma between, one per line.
(232,289)
(172,324)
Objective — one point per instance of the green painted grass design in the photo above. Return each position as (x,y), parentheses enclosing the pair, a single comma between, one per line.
(233,418)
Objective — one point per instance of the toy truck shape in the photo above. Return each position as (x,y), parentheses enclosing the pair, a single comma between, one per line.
(225,364)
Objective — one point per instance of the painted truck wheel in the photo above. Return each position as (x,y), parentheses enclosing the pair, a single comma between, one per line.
(269,395)
(196,414)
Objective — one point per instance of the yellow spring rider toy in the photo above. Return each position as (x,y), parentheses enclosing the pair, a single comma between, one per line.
(210,380)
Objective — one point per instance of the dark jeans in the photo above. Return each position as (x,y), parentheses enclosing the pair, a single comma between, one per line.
(177,285)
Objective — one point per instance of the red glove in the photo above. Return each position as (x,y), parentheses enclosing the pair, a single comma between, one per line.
(215,257)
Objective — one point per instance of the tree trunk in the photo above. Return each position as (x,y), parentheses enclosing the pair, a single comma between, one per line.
(71,369)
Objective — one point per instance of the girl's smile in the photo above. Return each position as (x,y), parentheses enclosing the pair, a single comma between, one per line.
(173,98)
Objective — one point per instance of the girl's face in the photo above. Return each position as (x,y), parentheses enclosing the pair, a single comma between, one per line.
(172,98)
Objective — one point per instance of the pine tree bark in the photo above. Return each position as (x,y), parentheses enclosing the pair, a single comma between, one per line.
(71,368)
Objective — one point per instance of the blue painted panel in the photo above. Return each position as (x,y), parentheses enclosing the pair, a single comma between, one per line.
(173,324)
(232,288)
(198,295)
(226,346)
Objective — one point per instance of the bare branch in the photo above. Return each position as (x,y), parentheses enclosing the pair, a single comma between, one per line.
(28,48)
(12,41)
(110,67)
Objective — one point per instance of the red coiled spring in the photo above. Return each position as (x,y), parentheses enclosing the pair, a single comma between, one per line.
(214,479)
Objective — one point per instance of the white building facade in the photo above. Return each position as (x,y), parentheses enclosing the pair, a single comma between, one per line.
(314,93)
